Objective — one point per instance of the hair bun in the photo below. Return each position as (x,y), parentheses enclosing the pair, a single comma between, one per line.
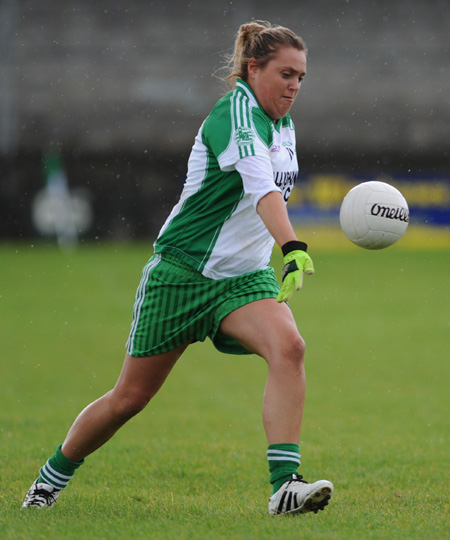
(247,31)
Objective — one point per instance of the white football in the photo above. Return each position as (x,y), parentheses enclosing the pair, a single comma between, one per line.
(374,215)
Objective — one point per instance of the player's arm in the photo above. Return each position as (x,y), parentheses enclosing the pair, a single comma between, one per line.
(257,177)
(266,196)
(273,212)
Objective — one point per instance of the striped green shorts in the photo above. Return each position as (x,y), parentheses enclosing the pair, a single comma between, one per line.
(175,305)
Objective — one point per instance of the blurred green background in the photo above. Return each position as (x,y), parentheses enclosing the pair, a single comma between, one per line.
(193,463)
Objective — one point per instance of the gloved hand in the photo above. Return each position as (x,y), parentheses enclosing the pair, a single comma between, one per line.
(296,261)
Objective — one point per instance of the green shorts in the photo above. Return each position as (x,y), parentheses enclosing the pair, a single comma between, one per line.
(175,305)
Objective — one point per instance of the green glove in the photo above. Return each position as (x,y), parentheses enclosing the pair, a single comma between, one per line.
(296,261)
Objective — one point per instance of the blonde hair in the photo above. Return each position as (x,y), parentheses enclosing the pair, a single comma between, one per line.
(260,40)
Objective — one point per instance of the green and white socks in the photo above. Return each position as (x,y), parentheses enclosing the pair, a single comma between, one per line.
(58,470)
(284,460)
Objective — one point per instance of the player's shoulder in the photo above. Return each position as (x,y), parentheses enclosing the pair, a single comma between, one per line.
(237,109)
(217,126)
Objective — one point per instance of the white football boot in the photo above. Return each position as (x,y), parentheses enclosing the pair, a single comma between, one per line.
(298,497)
(41,495)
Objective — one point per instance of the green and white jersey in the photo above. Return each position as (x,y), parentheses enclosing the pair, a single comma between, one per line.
(215,226)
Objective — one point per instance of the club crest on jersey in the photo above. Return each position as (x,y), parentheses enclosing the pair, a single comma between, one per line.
(243,136)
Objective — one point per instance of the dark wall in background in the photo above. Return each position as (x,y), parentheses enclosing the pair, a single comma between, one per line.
(121,88)
(136,75)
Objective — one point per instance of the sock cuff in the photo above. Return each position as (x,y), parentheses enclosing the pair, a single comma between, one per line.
(288,447)
(65,463)
(283,452)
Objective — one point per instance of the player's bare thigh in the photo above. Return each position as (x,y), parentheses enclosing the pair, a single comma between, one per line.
(144,376)
(262,327)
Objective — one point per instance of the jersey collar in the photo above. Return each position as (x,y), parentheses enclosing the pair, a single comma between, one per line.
(247,89)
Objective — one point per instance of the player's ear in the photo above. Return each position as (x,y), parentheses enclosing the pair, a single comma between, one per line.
(252,66)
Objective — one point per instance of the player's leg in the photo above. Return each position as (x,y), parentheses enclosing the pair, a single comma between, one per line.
(139,381)
(268,329)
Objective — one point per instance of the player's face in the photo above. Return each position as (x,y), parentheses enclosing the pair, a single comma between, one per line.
(277,84)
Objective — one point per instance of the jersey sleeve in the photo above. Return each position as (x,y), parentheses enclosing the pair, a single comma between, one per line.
(257,177)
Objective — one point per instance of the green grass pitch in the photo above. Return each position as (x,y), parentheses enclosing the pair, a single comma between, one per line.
(193,465)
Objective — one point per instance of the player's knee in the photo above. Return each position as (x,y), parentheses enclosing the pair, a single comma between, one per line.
(129,405)
(295,353)
(289,354)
